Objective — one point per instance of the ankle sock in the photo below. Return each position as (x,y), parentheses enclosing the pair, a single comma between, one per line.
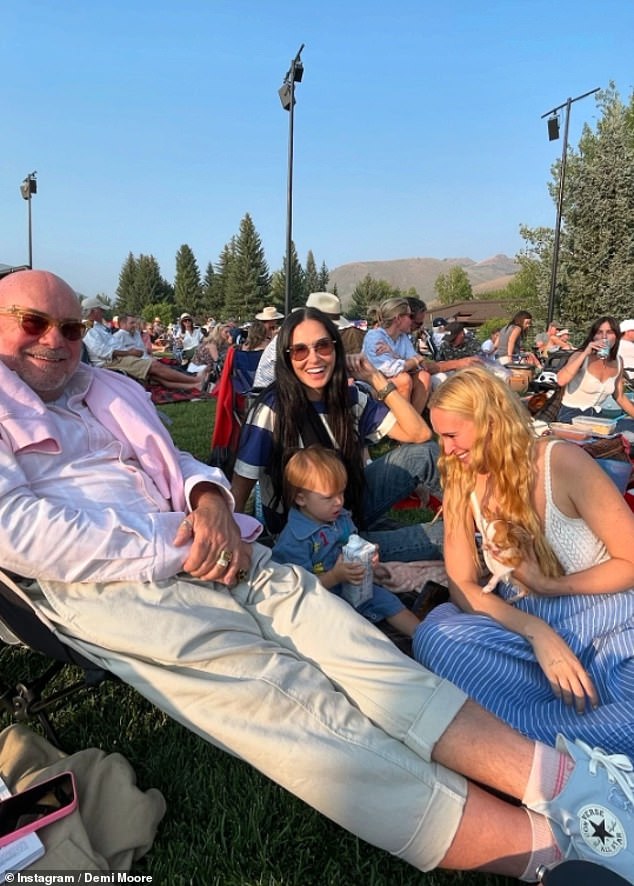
(549,773)
(544,848)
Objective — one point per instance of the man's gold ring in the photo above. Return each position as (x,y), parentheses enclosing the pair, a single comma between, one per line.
(225,558)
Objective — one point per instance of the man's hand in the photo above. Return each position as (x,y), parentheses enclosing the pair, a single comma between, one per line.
(215,538)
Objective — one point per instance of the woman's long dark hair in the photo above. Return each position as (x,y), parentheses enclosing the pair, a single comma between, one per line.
(614,326)
(292,404)
(518,320)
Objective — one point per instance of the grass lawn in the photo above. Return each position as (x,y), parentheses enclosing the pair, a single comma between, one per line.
(225,823)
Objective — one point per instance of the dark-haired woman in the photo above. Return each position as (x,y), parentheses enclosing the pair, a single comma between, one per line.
(511,339)
(312,402)
(594,373)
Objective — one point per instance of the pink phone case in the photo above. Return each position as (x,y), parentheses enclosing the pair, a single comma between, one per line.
(19,804)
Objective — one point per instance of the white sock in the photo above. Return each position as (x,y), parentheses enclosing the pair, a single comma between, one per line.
(549,773)
(544,847)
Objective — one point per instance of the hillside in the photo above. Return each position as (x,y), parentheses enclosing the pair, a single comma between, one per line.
(421,273)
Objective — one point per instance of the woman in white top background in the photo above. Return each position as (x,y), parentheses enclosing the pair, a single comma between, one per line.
(594,373)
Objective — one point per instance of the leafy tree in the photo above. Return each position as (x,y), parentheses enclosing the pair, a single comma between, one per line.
(188,293)
(454,286)
(311,276)
(595,273)
(248,283)
(597,242)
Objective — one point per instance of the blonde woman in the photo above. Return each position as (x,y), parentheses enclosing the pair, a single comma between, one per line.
(389,349)
(555,640)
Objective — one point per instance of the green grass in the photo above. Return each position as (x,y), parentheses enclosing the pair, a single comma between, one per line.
(226,825)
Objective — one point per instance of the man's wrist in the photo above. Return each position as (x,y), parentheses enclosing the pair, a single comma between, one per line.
(203,490)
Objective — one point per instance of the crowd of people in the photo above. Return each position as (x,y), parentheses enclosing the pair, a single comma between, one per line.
(502,745)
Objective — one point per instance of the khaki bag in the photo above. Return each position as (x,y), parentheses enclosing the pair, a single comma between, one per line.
(115,822)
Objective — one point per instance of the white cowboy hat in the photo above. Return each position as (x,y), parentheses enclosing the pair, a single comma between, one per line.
(269,313)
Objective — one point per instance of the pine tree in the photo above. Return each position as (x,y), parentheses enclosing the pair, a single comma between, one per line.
(248,283)
(298,289)
(324,277)
(187,285)
(150,285)
(369,292)
(126,289)
(212,301)
(311,276)
(221,279)
(141,284)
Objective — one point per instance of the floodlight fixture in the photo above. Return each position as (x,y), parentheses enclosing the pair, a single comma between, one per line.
(27,189)
(553,128)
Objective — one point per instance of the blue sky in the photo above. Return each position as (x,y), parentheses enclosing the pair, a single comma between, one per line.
(417,125)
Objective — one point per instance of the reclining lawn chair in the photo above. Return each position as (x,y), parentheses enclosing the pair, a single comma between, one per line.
(20,624)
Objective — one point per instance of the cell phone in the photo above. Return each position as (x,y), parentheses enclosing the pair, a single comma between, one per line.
(37,806)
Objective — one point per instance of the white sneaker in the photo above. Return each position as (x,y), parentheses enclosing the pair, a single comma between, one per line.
(594,814)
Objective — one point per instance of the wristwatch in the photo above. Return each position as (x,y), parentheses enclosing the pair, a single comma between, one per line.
(384,392)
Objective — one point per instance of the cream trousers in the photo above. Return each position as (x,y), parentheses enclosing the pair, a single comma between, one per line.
(285,675)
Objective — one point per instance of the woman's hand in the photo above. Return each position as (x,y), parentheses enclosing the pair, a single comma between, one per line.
(359,367)
(568,679)
(529,576)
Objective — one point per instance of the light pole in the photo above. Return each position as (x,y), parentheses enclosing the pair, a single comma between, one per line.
(553,134)
(286,93)
(27,189)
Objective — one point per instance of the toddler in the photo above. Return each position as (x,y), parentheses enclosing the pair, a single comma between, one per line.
(318,527)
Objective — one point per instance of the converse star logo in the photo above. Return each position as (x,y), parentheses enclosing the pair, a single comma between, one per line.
(601,831)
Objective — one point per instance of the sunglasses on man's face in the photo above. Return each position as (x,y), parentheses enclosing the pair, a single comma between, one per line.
(324,347)
(36,323)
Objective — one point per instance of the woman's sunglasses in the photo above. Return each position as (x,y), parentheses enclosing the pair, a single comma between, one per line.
(324,347)
(36,323)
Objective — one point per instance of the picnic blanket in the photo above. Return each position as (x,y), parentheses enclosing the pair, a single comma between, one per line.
(161,395)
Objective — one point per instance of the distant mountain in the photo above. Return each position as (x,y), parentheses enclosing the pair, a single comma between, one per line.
(421,273)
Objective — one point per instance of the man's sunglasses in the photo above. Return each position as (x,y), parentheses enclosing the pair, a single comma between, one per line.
(324,347)
(36,323)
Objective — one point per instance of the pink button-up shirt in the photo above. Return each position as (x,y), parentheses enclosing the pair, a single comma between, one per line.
(91,486)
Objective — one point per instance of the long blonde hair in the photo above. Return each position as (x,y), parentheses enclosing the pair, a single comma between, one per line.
(504,448)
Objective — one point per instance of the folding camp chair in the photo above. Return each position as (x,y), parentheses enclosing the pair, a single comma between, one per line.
(21,624)
(233,393)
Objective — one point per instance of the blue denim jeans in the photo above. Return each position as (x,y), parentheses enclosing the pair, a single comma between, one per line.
(391,478)
(395,475)
(418,541)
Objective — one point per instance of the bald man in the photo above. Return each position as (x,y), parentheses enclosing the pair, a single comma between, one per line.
(131,548)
